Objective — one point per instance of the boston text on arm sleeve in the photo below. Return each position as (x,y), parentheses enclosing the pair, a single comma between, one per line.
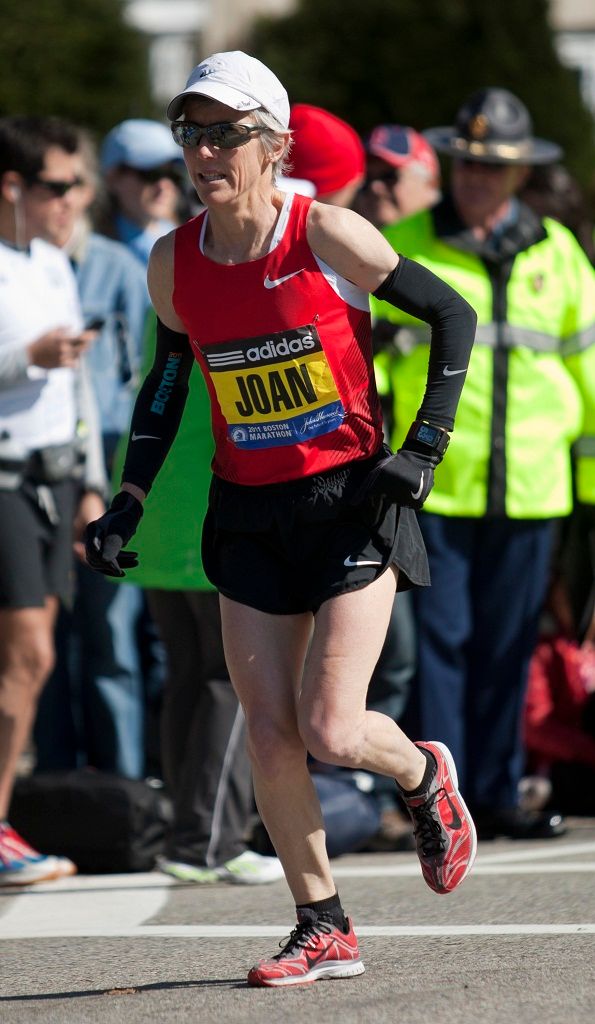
(158,408)
(422,294)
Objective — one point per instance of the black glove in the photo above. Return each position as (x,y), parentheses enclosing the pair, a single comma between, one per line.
(405,478)
(408,477)
(105,537)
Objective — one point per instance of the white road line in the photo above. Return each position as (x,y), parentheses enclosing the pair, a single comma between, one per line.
(85,883)
(238,931)
(145,889)
(406,864)
(553,849)
(81,906)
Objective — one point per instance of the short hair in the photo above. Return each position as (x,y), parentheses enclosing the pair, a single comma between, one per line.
(24,142)
(274,133)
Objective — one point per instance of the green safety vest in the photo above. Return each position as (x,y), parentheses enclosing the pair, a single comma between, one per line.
(529,394)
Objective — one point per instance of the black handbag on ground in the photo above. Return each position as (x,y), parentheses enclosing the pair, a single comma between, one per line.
(102,822)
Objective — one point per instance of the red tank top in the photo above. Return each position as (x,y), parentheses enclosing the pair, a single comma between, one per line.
(285,347)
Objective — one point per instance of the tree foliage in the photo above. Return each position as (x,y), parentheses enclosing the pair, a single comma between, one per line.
(74,58)
(414,63)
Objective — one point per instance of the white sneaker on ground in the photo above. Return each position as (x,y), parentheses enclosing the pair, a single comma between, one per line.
(249,868)
(187,872)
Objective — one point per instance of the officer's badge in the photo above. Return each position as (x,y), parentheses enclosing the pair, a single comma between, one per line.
(537,283)
(478,126)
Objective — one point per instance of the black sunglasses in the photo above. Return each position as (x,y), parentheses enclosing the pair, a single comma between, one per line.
(389,178)
(222,136)
(151,175)
(57,189)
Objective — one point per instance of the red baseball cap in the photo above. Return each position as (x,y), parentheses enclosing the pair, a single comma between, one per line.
(402,146)
(326,150)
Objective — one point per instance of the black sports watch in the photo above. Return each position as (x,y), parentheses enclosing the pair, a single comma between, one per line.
(433,439)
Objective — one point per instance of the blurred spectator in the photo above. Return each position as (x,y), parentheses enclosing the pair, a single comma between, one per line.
(553,192)
(560,704)
(327,152)
(92,709)
(559,725)
(559,711)
(402,175)
(51,465)
(144,174)
(146,181)
(530,392)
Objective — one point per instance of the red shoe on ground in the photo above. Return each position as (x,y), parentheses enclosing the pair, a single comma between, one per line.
(316,949)
(444,831)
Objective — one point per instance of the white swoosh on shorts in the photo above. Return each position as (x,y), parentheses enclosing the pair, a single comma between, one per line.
(350,563)
(272,283)
(144,437)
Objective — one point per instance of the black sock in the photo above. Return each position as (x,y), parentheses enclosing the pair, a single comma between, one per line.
(431,766)
(330,908)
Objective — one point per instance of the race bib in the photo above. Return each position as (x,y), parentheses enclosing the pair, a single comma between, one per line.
(275,390)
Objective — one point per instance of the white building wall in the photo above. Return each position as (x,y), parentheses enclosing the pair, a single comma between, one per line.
(175,28)
(574,22)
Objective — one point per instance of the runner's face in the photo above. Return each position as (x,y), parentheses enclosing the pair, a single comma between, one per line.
(222,175)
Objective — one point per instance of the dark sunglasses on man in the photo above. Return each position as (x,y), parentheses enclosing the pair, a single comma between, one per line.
(151,175)
(389,178)
(56,189)
(222,136)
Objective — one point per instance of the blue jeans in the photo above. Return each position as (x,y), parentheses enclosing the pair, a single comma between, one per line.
(92,710)
(350,816)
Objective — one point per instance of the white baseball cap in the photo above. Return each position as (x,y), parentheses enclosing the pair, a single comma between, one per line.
(240,81)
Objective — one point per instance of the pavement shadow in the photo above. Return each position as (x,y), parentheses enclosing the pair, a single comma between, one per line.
(132,990)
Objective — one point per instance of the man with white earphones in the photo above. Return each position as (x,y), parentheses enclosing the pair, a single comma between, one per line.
(51,463)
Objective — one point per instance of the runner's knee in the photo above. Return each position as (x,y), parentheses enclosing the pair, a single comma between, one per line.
(273,745)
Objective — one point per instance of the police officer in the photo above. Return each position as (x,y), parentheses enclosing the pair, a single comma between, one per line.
(529,396)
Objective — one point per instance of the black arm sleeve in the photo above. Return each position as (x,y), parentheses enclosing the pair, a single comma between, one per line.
(420,293)
(158,408)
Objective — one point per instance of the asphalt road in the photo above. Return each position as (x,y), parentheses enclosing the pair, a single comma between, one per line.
(516,942)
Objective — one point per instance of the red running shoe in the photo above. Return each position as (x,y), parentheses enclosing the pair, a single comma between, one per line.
(444,831)
(316,949)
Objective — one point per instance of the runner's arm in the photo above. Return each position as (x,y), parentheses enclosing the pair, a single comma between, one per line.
(162,397)
(358,252)
(157,411)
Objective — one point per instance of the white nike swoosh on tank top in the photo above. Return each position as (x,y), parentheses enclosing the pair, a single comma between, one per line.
(273,282)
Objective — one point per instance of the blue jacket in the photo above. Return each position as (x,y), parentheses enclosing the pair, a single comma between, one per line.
(112,285)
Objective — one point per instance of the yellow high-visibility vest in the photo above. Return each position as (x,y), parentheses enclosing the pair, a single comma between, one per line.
(529,394)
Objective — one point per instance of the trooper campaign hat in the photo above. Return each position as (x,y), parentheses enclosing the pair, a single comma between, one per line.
(494,127)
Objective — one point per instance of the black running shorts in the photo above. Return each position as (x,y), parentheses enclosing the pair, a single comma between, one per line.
(286,548)
(36,557)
